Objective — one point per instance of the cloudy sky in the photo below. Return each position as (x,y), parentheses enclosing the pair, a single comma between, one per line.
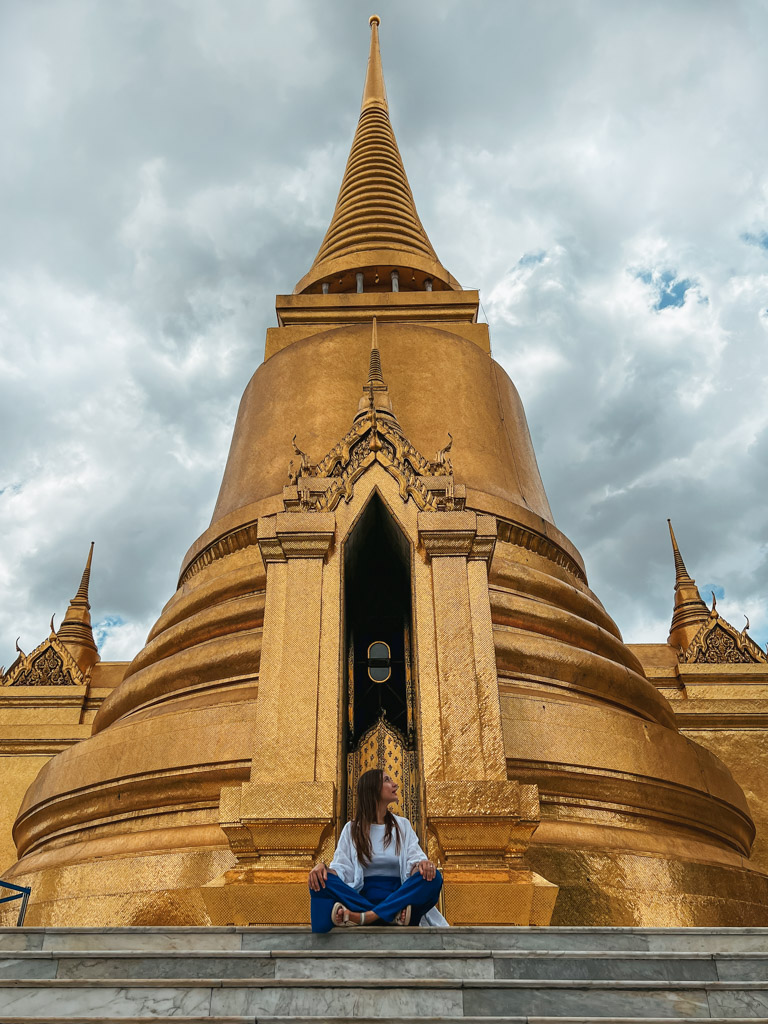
(598,170)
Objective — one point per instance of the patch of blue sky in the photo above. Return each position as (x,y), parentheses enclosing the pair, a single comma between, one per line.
(105,627)
(530,259)
(759,238)
(671,290)
(707,589)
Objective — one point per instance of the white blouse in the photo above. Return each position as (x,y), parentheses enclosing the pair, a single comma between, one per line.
(349,869)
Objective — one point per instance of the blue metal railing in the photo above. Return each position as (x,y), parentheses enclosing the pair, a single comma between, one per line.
(20,892)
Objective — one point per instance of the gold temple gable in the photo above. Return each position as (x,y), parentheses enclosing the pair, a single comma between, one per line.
(719,643)
(376,436)
(49,664)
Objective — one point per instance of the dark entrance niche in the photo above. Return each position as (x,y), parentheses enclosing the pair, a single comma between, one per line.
(378,611)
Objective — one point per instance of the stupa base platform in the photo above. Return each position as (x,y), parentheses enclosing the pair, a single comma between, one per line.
(244,897)
(405,975)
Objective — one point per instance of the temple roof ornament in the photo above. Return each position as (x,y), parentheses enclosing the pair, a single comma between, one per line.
(719,643)
(66,657)
(376,436)
(375,228)
(700,634)
(49,664)
(75,630)
(690,610)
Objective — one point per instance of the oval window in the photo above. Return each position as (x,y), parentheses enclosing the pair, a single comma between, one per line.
(379,662)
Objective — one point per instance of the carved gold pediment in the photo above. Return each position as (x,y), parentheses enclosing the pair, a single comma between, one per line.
(372,439)
(719,643)
(376,436)
(49,664)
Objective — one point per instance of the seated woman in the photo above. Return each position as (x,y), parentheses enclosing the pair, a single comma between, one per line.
(379,873)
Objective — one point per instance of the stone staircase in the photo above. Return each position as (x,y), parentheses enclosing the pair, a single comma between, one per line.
(271,975)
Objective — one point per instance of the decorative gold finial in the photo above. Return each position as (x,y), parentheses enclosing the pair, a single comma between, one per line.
(690,611)
(376,400)
(53,629)
(82,590)
(374,92)
(75,631)
(375,223)
(681,573)
(375,376)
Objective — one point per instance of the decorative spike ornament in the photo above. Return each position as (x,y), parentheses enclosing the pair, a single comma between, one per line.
(75,631)
(690,610)
(376,398)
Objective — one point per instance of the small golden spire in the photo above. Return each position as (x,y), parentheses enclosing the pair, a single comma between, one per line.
(75,631)
(681,573)
(375,400)
(375,376)
(374,91)
(690,611)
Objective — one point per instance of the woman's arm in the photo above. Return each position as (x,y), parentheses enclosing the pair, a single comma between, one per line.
(415,858)
(344,859)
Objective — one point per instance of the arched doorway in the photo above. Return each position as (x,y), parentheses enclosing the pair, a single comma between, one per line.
(380,725)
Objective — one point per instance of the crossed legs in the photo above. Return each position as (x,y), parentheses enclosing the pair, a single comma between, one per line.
(415,892)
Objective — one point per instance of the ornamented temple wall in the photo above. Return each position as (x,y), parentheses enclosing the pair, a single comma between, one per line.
(725,709)
(37,722)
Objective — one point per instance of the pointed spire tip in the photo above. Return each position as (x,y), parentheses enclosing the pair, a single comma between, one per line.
(374,91)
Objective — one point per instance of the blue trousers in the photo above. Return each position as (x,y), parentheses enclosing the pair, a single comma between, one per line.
(381,893)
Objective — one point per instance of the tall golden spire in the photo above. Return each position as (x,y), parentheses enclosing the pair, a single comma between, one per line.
(375,229)
(690,611)
(75,631)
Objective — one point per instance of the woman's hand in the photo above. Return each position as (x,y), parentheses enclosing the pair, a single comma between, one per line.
(426,869)
(317,877)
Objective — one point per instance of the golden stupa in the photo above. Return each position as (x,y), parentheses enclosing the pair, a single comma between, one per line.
(382,583)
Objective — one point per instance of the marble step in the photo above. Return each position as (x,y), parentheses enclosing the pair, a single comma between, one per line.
(356,965)
(323,999)
(250,1019)
(300,938)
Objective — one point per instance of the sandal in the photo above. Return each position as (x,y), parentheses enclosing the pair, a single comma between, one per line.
(404,917)
(345,921)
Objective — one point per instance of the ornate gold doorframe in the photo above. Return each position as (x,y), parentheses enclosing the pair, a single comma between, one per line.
(383,746)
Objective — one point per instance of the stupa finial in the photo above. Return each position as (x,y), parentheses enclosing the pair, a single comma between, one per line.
(375,375)
(374,91)
(690,611)
(375,400)
(75,631)
(682,575)
(375,230)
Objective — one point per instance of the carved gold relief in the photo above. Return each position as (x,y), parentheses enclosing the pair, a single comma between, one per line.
(376,436)
(383,746)
(50,664)
(719,643)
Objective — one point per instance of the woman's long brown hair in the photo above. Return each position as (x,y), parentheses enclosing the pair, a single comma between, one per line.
(368,791)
